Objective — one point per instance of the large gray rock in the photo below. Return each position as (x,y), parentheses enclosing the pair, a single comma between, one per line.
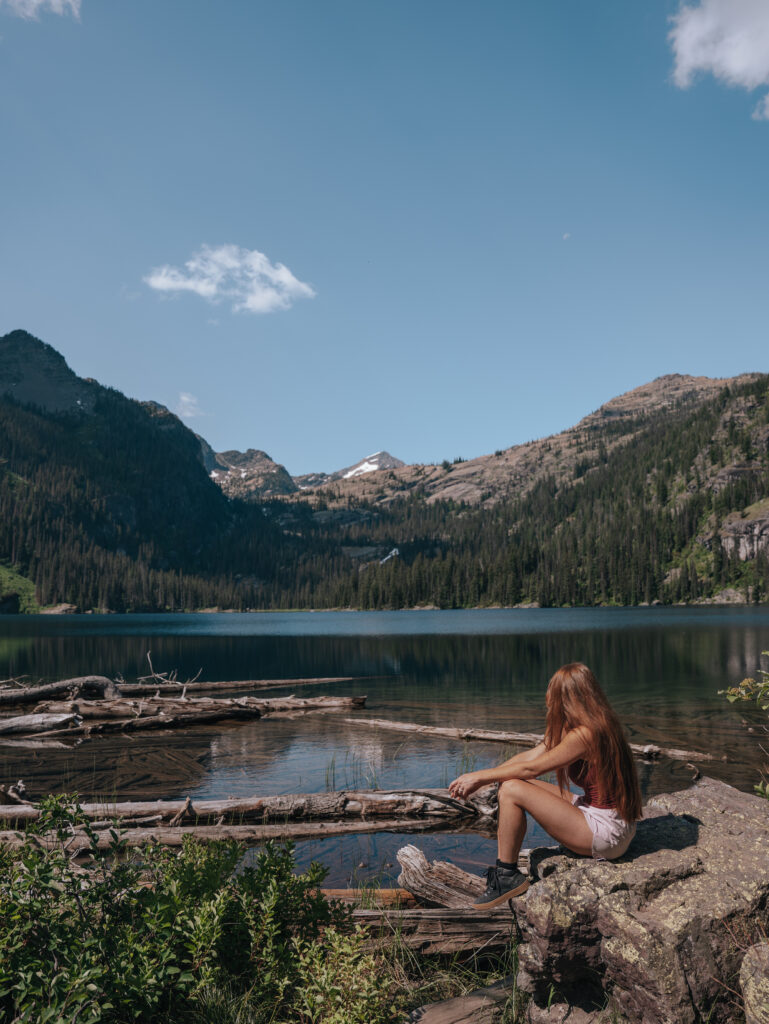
(657,933)
(754,980)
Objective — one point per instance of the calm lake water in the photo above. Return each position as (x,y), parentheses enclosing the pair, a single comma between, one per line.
(661,667)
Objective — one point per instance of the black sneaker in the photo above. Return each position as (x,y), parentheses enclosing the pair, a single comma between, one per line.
(502,884)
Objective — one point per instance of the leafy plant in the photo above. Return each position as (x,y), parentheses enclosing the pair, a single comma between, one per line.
(122,939)
(754,690)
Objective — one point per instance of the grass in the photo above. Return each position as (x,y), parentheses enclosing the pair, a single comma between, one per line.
(13,582)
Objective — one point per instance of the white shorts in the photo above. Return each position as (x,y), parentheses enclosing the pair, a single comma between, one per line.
(611,834)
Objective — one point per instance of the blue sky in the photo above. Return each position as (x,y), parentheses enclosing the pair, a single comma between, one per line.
(323,229)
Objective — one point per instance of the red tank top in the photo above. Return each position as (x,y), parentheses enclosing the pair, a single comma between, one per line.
(585,776)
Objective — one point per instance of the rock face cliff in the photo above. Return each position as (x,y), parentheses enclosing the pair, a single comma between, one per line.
(660,933)
(33,373)
(251,474)
(746,533)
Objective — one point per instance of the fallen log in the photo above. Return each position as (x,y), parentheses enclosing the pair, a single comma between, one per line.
(148,688)
(429,804)
(101,687)
(484,1006)
(162,713)
(373,897)
(124,708)
(26,724)
(439,884)
(250,834)
(649,751)
(98,686)
(439,930)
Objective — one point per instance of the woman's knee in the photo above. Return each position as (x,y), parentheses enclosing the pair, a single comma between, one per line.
(513,789)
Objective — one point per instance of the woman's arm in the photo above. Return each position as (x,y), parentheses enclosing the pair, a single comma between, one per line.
(529,765)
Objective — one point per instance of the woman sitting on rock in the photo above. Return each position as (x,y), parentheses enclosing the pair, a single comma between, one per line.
(584,742)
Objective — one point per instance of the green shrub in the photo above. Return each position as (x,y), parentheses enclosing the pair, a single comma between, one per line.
(754,690)
(159,938)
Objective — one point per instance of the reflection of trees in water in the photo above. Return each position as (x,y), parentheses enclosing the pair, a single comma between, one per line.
(158,765)
(625,660)
(662,680)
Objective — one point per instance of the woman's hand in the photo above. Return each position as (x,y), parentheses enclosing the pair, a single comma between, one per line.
(466,784)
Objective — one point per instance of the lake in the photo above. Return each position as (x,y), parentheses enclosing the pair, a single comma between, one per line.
(661,668)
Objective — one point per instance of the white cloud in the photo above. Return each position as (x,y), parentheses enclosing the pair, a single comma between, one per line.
(246,277)
(188,406)
(33,8)
(726,38)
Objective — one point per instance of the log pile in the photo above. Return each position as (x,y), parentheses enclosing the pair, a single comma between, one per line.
(94,705)
(101,687)
(256,819)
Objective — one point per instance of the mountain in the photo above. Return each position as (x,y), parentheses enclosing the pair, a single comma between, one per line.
(105,501)
(249,474)
(253,475)
(371,464)
(513,472)
(661,495)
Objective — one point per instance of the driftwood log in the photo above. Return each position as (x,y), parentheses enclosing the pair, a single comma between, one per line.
(86,717)
(433,805)
(438,930)
(649,751)
(484,1006)
(148,687)
(439,884)
(149,706)
(168,835)
(101,687)
(92,686)
(26,724)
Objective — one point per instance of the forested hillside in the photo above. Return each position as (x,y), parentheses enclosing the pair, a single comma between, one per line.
(664,517)
(105,504)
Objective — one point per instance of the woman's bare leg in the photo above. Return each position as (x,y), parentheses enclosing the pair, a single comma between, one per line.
(548,787)
(560,819)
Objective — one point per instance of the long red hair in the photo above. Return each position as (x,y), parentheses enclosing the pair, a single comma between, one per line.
(574,698)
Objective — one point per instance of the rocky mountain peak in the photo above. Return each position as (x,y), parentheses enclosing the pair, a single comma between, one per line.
(33,373)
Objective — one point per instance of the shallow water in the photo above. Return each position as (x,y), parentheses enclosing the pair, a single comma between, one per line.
(661,667)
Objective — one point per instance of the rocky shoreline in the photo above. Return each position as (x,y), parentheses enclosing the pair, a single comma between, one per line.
(658,937)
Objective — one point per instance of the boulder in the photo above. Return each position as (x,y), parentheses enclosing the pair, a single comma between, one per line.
(659,934)
(754,981)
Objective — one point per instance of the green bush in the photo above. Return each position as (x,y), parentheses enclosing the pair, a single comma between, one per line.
(754,690)
(164,937)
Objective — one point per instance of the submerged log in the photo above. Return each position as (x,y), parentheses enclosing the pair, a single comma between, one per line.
(433,805)
(648,751)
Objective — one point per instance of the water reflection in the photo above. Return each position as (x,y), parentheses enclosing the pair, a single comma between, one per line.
(662,669)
